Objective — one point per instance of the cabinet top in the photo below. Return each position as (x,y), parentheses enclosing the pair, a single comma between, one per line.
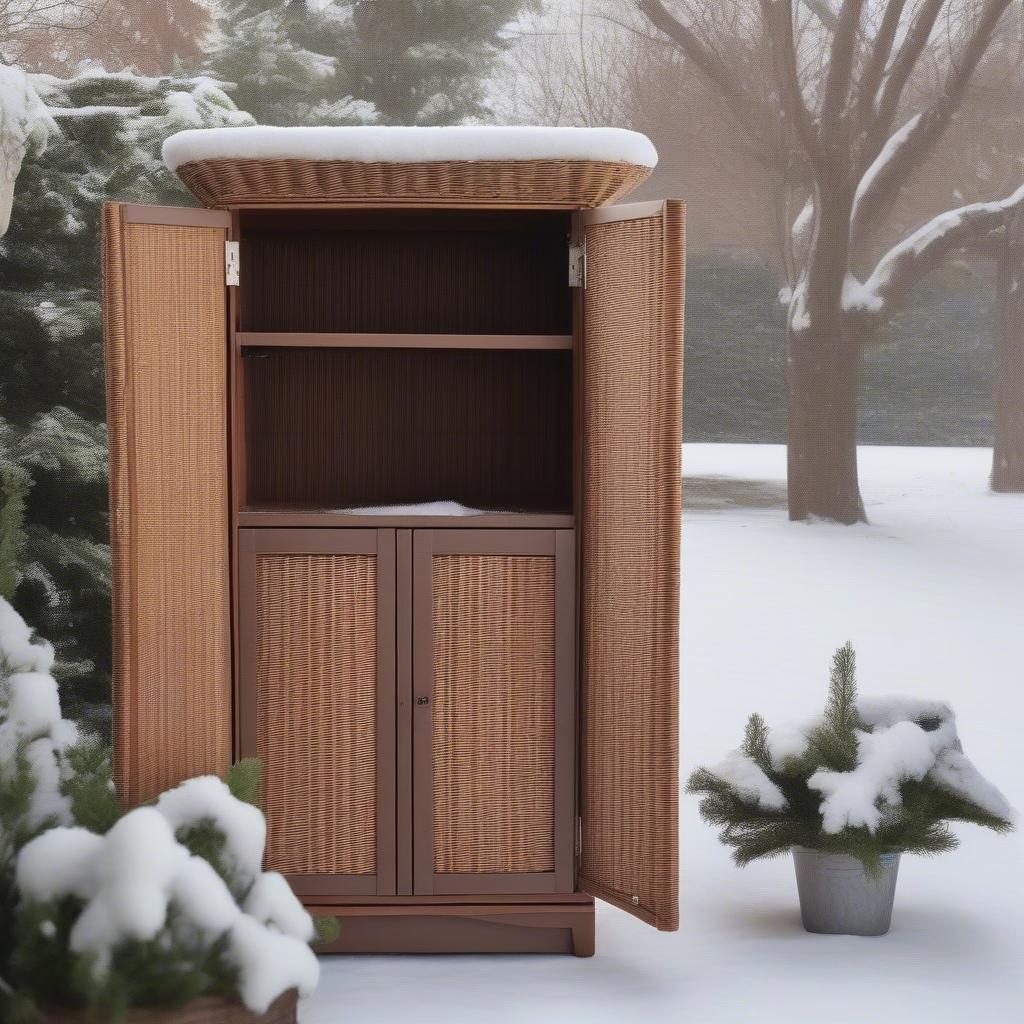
(540,167)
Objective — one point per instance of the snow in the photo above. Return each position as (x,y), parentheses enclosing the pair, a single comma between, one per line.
(203,898)
(30,719)
(740,772)
(62,863)
(927,235)
(33,701)
(130,878)
(799,315)
(856,295)
(786,741)
(930,594)
(207,798)
(270,963)
(372,143)
(25,127)
(270,901)
(887,152)
(890,710)
(955,771)
(17,649)
(422,508)
(804,218)
(885,758)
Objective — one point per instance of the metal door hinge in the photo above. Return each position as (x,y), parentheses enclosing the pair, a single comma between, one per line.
(578,265)
(231,263)
(578,844)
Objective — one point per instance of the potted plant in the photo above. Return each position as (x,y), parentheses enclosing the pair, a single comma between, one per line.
(848,794)
(157,915)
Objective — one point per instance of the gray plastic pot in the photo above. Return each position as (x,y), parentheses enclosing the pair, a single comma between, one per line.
(838,897)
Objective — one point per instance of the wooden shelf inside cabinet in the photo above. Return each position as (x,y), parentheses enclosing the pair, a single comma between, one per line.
(285,516)
(537,342)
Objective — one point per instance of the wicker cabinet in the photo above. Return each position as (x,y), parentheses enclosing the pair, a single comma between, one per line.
(466,712)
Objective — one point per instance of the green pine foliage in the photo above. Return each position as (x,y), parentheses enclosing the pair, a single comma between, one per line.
(14,487)
(243,779)
(411,62)
(918,825)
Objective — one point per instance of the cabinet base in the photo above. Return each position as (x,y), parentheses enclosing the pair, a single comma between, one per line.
(464,928)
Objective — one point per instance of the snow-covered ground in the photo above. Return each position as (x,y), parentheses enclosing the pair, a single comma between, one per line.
(932,595)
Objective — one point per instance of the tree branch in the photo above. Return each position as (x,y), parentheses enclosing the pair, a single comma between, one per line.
(823,10)
(903,65)
(874,71)
(917,143)
(907,262)
(711,65)
(840,67)
(778,20)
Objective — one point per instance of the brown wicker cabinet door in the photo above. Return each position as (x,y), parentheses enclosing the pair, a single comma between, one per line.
(631,399)
(317,703)
(493,706)
(165,331)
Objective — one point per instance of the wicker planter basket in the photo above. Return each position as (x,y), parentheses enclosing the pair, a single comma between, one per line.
(571,184)
(200,1011)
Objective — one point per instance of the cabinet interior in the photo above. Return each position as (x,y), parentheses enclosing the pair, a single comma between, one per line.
(335,420)
(342,427)
(405,271)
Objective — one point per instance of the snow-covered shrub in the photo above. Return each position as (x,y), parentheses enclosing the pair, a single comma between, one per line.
(868,778)
(49,774)
(104,910)
(141,919)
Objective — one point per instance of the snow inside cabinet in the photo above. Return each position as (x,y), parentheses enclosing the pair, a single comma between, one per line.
(397,511)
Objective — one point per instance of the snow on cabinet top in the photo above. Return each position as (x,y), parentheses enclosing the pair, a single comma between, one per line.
(378,144)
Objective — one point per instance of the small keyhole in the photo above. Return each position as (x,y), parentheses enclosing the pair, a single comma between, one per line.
(422,700)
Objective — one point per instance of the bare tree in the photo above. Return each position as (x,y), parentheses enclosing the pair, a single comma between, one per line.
(27,25)
(1008,444)
(844,78)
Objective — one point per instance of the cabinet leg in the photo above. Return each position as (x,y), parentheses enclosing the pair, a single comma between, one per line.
(583,936)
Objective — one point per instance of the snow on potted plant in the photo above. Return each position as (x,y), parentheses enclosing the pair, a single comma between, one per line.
(848,794)
(159,915)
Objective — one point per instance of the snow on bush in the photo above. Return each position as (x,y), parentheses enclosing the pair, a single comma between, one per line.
(749,780)
(138,882)
(25,127)
(873,776)
(208,799)
(31,728)
(885,759)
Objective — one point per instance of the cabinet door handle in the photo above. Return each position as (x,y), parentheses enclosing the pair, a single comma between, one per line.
(422,701)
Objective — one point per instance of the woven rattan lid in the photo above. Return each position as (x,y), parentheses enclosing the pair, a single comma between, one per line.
(385,166)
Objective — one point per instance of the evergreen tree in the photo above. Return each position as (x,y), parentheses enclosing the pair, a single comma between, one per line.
(415,62)
(766,802)
(53,446)
(283,58)
(426,62)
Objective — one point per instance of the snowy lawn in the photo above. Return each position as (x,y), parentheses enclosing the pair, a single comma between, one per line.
(932,596)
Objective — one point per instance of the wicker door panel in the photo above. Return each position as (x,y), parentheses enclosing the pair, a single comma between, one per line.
(165,322)
(317,615)
(494,713)
(492,727)
(629,602)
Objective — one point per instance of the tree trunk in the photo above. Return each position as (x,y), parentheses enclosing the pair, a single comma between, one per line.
(1008,446)
(823,370)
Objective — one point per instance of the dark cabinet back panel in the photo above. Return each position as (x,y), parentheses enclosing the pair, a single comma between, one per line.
(334,428)
(409,276)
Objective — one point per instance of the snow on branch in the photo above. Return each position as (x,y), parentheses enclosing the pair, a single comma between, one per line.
(889,152)
(908,261)
(910,146)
